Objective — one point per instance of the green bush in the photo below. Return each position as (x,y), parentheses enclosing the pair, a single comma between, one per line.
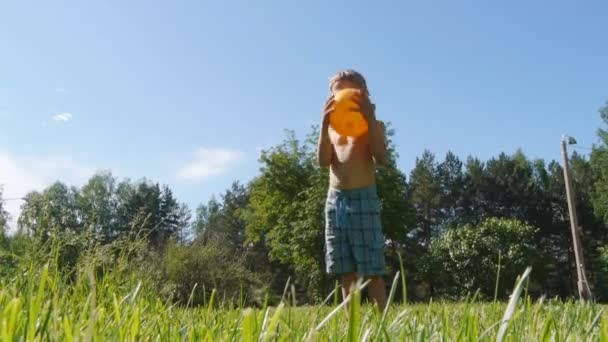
(601,281)
(12,251)
(465,259)
(195,270)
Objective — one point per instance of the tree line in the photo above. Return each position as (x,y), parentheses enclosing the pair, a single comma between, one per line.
(457,225)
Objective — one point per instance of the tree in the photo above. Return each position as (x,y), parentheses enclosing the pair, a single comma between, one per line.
(51,218)
(510,185)
(207,219)
(398,216)
(278,197)
(223,221)
(601,284)
(556,240)
(591,184)
(426,196)
(97,203)
(599,163)
(55,209)
(149,210)
(475,204)
(106,210)
(451,182)
(585,183)
(4,217)
(514,189)
(468,256)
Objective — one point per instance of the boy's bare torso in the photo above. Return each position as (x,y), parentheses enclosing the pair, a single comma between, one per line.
(352,165)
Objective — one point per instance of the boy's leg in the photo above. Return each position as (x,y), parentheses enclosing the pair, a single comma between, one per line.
(348,281)
(368,247)
(377,291)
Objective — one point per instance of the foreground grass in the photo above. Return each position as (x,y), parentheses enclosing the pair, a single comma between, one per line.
(41,307)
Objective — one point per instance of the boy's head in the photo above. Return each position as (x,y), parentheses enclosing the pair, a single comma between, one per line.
(347,79)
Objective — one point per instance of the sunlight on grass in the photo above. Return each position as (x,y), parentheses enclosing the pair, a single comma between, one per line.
(37,305)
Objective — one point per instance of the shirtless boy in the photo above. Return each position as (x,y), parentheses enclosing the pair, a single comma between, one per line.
(354,239)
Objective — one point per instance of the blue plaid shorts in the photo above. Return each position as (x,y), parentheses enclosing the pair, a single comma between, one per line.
(354,241)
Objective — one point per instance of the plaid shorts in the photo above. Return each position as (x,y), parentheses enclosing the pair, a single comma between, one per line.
(354,241)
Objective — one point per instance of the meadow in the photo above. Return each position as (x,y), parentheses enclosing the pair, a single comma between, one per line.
(39,304)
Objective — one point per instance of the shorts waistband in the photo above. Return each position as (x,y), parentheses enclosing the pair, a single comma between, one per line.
(358,192)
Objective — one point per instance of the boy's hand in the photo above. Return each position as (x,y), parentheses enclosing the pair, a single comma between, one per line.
(327,110)
(367,108)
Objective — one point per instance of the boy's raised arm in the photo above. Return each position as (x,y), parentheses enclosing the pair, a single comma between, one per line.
(377,141)
(324,148)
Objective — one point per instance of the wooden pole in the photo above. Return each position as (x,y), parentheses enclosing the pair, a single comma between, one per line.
(584,293)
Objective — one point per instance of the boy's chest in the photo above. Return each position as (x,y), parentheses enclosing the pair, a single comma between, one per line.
(348,147)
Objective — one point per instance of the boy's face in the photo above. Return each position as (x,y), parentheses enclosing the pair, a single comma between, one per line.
(345,84)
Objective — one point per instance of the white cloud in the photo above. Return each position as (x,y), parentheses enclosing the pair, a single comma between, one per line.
(208,163)
(63,117)
(19,176)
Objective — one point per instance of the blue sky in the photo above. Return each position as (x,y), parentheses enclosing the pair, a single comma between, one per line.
(187,92)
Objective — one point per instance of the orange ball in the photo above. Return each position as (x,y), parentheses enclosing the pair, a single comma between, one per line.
(346,119)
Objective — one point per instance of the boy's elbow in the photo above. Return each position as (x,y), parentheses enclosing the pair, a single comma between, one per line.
(381,159)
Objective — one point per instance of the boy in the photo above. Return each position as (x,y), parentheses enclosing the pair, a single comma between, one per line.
(354,239)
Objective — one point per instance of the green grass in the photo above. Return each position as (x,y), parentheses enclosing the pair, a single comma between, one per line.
(38,305)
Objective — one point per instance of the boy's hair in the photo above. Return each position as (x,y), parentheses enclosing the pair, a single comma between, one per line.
(350,75)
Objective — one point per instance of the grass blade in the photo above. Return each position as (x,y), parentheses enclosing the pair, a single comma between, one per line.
(191,297)
(546,334)
(248,331)
(36,305)
(354,320)
(512,305)
(403,283)
(274,322)
(604,330)
(388,304)
(497,276)
(338,308)
(595,322)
